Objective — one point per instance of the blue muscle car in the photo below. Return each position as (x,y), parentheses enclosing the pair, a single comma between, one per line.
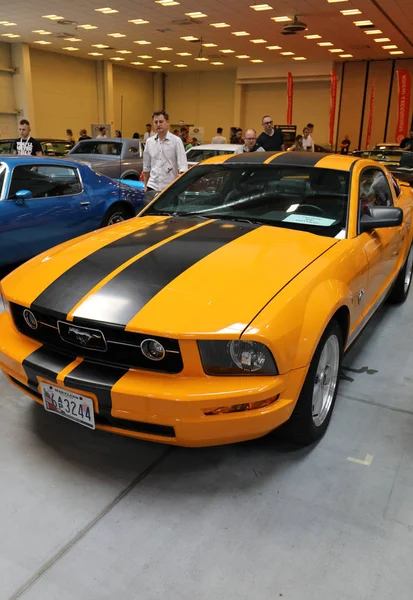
(47,201)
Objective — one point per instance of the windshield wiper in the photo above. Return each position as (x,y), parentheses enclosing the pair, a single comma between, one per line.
(218,216)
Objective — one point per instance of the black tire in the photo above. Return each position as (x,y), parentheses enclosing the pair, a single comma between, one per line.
(115,214)
(133,176)
(401,286)
(304,427)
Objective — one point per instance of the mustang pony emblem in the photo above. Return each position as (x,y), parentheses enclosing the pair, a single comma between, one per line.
(83,337)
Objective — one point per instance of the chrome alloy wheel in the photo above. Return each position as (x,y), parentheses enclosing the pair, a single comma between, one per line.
(409,269)
(117,217)
(325,381)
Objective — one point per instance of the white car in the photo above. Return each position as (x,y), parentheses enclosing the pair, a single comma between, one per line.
(197,153)
(387,146)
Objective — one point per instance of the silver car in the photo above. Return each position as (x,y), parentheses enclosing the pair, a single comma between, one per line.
(197,153)
(118,158)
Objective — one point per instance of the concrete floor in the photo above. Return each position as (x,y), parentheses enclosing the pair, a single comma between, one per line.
(91,516)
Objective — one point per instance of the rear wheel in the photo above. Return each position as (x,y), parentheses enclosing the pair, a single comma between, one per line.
(116,214)
(314,407)
(403,282)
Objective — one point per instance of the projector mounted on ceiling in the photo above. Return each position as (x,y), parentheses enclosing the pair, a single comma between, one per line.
(294,27)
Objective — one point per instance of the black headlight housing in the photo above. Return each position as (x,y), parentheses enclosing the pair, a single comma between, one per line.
(236,357)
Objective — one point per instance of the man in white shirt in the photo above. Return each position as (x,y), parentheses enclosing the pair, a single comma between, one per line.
(149,133)
(164,156)
(219,138)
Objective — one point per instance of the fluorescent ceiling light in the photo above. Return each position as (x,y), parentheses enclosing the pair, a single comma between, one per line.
(164,48)
(141,42)
(256,60)
(95,54)
(227,51)
(41,42)
(281,19)
(196,15)
(243,56)
(100,46)
(314,36)
(136,62)
(144,56)
(363,23)
(116,35)
(259,41)
(333,1)
(72,39)
(259,7)
(116,58)
(180,66)
(201,59)
(124,51)
(7,24)
(379,40)
(71,48)
(41,32)
(346,56)
(324,44)
(52,17)
(287,53)
(155,66)
(107,10)
(189,38)
(10,35)
(273,47)
(87,26)
(138,22)
(220,25)
(352,11)
(336,50)
(239,33)
(164,62)
(217,63)
(299,58)
(390,47)
(373,31)
(209,45)
(397,52)
(166,3)
(183,54)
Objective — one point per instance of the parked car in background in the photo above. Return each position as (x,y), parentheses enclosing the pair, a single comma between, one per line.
(197,153)
(118,158)
(387,146)
(388,157)
(47,201)
(50,147)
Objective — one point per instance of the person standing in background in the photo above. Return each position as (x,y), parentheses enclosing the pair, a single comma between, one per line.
(250,143)
(164,156)
(298,144)
(102,132)
(307,141)
(345,145)
(83,135)
(271,138)
(149,133)
(70,138)
(219,138)
(26,145)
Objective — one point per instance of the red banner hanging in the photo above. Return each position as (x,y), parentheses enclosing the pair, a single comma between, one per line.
(370,121)
(403,84)
(333,102)
(290,90)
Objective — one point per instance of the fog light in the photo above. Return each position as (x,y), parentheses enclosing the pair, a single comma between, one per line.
(221,410)
(30,319)
(152,349)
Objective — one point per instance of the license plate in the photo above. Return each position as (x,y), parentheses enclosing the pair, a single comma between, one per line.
(69,405)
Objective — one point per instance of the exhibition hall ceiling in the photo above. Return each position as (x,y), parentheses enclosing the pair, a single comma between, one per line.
(172,35)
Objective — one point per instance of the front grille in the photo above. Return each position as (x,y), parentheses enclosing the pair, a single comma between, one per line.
(138,426)
(123,347)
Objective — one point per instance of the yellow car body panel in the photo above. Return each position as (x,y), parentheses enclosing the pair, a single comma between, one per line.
(187,280)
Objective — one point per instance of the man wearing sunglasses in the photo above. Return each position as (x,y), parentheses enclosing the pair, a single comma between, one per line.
(272,137)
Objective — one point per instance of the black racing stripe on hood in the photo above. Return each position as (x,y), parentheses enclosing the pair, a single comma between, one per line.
(250,158)
(298,159)
(67,290)
(96,379)
(136,285)
(45,363)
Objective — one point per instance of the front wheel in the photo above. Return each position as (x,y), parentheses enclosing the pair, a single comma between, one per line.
(116,214)
(314,407)
(402,284)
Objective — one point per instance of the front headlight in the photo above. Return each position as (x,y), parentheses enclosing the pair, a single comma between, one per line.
(236,357)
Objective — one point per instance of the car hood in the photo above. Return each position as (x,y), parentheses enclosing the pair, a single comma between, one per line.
(171,276)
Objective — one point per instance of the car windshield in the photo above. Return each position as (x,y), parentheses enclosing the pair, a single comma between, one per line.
(383,156)
(98,147)
(308,199)
(198,154)
(56,148)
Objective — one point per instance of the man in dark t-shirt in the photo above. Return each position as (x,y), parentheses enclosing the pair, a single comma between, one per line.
(26,145)
(407,143)
(345,145)
(272,137)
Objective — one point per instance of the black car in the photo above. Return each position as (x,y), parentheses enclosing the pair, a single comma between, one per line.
(50,146)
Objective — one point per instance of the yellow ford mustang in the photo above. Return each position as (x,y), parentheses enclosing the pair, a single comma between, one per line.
(223,311)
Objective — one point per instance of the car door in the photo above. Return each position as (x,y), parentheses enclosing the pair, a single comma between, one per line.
(381,246)
(52,208)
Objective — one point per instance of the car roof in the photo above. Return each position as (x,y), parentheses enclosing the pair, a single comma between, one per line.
(36,138)
(105,140)
(290,159)
(13,159)
(228,147)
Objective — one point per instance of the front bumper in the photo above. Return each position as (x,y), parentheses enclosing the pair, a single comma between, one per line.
(154,406)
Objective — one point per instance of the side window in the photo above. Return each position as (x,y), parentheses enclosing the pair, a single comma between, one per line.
(396,186)
(374,189)
(45,181)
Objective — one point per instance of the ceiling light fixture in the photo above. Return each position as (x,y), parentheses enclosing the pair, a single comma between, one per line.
(196,15)
(164,48)
(7,24)
(243,56)
(217,63)
(144,56)
(365,23)
(259,41)
(397,52)
(138,22)
(352,11)
(107,10)
(379,40)
(72,39)
(52,17)
(239,33)
(95,54)
(87,26)
(336,50)
(287,53)
(259,7)
(41,42)
(100,46)
(256,60)
(166,3)
(299,58)
(209,45)
(201,59)
(155,67)
(183,54)
(71,48)
(333,1)
(219,25)
(10,35)
(124,51)
(390,47)
(273,47)
(314,36)
(164,62)
(227,51)
(136,62)
(281,19)
(189,38)
(324,44)
(41,32)
(116,35)
(116,58)
(180,66)
(142,42)
(346,56)
(373,31)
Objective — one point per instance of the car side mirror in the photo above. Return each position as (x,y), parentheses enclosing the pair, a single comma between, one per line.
(378,217)
(21,196)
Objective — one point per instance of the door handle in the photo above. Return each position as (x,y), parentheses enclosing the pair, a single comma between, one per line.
(84,203)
